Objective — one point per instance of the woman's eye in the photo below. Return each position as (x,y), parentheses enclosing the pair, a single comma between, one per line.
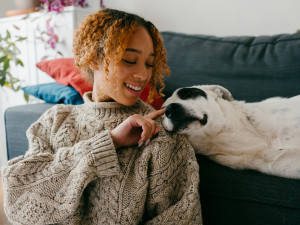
(134,62)
(149,65)
(129,62)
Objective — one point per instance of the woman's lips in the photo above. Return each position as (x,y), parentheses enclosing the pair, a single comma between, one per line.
(132,91)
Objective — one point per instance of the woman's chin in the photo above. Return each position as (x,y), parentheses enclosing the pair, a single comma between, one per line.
(129,103)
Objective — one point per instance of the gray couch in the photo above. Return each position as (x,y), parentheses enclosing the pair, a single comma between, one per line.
(252,68)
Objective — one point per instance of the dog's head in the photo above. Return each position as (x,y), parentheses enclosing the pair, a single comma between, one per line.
(196,110)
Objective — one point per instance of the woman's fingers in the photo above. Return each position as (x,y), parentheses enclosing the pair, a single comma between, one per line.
(136,129)
(148,126)
(155,114)
(148,130)
(154,129)
(151,130)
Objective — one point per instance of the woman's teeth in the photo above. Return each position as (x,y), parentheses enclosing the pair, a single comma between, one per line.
(135,88)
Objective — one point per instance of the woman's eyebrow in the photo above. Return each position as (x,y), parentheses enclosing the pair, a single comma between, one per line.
(136,51)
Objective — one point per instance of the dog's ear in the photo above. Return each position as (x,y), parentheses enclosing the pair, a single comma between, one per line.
(222,92)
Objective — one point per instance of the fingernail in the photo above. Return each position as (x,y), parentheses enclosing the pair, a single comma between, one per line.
(140,144)
(143,138)
(156,130)
(147,142)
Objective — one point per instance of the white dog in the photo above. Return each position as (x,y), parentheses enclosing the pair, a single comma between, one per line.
(264,136)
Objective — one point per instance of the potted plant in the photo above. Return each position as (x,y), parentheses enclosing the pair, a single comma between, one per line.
(9,54)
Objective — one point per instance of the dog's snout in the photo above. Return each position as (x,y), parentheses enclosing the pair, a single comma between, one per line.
(173,110)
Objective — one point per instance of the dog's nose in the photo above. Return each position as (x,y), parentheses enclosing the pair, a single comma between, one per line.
(173,110)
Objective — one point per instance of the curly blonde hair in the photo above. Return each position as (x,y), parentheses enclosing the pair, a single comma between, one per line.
(108,32)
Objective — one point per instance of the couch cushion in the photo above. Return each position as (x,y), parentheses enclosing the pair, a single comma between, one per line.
(17,120)
(252,68)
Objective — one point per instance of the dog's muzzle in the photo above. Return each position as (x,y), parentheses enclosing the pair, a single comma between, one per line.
(180,118)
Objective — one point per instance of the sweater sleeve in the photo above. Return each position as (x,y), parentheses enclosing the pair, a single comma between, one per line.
(46,184)
(173,196)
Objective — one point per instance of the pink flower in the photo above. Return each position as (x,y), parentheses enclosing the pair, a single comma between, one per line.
(53,38)
(58,5)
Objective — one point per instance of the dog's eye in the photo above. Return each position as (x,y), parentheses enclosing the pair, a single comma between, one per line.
(204,120)
(185,94)
(190,93)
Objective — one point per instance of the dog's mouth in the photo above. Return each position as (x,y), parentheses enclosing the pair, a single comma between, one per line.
(184,122)
(202,121)
(178,118)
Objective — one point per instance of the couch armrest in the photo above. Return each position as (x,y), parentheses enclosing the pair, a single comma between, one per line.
(17,120)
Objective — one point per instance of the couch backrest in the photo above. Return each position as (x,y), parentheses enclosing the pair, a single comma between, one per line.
(252,68)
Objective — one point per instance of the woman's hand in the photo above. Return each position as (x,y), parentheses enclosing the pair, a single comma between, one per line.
(136,129)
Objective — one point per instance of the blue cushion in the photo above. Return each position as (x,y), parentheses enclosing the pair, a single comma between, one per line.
(54,93)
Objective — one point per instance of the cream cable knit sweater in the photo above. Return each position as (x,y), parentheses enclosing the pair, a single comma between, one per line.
(72,173)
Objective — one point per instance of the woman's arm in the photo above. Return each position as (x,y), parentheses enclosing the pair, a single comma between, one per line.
(45,185)
(173,193)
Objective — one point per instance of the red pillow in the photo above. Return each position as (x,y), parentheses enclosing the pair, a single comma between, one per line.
(64,72)
(157,100)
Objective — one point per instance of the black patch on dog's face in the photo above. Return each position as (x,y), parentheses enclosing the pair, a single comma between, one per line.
(191,93)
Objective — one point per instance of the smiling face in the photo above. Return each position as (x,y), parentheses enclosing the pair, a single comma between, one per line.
(126,79)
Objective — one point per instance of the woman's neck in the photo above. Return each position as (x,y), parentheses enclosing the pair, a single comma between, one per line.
(97,96)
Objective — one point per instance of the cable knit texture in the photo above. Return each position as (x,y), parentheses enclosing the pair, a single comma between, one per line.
(72,173)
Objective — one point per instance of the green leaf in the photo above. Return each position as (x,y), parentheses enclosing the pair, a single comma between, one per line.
(18,88)
(3,58)
(21,39)
(26,97)
(10,43)
(6,65)
(2,81)
(8,36)
(19,62)
(8,53)
(7,84)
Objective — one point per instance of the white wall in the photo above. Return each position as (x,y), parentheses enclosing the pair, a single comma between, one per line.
(217,17)
(6,5)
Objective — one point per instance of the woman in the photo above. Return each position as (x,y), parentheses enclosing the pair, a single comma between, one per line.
(103,162)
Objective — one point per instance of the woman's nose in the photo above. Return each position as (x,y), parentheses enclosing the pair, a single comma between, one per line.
(141,73)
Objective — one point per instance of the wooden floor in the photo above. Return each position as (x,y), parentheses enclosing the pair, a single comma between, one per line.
(3,219)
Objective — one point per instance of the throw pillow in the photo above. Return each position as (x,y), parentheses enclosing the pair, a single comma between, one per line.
(64,72)
(54,93)
(157,100)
